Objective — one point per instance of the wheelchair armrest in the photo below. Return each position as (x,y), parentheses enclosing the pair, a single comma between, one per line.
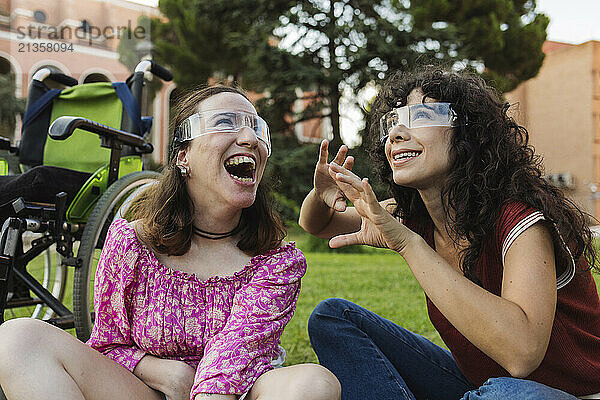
(63,127)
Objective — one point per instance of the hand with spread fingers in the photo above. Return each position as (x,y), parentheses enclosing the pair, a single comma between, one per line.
(378,227)
(325,186)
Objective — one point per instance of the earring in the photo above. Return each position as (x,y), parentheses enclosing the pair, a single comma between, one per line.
(184,170)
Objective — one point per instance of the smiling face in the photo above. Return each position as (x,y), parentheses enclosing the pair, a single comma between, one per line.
(225,168)
(419,157)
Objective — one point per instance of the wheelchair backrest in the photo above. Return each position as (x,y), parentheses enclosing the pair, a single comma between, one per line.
(82,151)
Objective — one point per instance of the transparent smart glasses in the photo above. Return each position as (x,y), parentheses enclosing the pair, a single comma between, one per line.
(223,121)
(416,116)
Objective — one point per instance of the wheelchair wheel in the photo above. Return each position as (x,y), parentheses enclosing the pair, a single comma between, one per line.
(106,210)
(50,272)
(55,279)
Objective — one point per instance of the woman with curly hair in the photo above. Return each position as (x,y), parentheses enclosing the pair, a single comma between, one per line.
(503,257)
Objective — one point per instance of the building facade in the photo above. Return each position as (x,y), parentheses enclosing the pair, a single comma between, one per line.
(79,38)
(560,108)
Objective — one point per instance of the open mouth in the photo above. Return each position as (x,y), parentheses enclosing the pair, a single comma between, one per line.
(241,168)
(405,156)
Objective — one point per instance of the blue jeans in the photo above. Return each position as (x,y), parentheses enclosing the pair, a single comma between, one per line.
(374,358)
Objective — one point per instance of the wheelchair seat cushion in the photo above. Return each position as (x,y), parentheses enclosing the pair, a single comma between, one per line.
(41,184)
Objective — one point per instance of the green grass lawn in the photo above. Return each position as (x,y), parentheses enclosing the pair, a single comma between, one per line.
(380,282)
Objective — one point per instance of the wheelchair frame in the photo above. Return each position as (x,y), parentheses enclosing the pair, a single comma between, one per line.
(49,219)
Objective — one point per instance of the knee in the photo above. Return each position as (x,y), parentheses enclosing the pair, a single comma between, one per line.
(20,338)
(321,317)
(502,388)
(317,383)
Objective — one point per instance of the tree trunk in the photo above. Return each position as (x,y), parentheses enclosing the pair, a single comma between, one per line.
(334,91)
(334,103)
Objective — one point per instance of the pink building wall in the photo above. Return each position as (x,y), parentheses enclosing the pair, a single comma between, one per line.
(560,107)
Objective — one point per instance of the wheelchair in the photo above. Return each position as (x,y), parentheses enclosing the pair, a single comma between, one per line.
(79,176)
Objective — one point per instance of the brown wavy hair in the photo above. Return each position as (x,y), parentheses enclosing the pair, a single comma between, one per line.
(491,164)
(165,210)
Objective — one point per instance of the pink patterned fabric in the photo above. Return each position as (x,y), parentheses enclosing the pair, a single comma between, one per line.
(228,328)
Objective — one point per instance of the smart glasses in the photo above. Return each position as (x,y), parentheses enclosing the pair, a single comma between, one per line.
(416,116)
(223,121)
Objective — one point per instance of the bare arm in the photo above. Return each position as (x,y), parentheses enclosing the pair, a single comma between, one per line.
(513,329)
(318,219)
(171,377)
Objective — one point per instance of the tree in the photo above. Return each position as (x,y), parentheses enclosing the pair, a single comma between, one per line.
(501,39)
(331,47)
(203,39)
(328,47)
(334,48)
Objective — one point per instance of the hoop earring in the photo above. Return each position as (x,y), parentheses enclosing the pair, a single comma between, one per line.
(183,170)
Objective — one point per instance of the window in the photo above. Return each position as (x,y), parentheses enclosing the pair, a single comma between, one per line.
(95,77)
(4,66)
(39,16)
(85,26)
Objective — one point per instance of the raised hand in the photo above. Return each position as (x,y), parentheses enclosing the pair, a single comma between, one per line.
(325,187)
(378,227)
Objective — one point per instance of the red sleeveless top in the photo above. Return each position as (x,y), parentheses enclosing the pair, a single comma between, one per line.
(572,361)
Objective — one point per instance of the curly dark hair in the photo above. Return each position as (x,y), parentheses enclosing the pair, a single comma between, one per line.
(491,163)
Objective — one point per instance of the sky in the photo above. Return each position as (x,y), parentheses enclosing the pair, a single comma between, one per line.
(572,21)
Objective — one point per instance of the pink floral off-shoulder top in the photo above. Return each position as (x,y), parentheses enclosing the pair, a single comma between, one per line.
(227,328)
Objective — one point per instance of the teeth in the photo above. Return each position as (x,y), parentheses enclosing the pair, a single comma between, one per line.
(240,160)
(407,154)
(241,179)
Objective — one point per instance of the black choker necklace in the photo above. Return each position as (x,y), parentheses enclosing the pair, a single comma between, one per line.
(216,236)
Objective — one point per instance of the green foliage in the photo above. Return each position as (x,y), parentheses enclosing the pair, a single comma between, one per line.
(327,47)
(288,209)
(291,167)
(204,39)
(504,37)
(10,106)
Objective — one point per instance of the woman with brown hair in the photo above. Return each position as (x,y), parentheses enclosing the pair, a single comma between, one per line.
(176,314)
